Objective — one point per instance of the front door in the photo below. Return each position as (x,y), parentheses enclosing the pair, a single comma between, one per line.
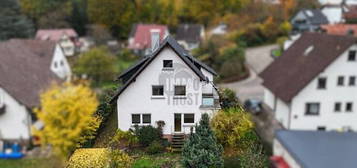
(177,122)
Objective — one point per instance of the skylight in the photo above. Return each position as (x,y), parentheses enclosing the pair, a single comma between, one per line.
(308,50)
(309,13)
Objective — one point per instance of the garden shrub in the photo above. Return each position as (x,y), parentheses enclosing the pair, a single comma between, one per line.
(232,126)
(124,138)
(147,134)
(254,156)
(119,159)
(99,158)
(201,150)
(228,98)
(88,158)
(155,147)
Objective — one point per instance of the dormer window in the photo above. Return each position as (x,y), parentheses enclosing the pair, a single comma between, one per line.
(352,55)
(168,64)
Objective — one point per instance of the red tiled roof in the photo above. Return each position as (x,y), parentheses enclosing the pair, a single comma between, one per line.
(340,29)
(142,35)
(54,34)
(351,13)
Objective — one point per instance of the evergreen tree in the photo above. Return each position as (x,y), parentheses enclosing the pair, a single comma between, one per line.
(201,150)
(12,23)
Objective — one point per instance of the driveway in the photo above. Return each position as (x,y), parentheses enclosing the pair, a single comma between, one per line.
(257,59)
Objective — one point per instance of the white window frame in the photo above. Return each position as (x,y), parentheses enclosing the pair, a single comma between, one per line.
(141,119)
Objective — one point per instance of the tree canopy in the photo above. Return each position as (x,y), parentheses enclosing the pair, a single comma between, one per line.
(98,64)
(67,112)
(13,24)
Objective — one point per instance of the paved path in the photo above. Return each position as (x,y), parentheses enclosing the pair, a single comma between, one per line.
(257,59)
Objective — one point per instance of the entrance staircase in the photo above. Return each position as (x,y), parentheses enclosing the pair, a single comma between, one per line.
(177,142)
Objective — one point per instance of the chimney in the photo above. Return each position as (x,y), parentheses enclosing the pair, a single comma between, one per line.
(155,39)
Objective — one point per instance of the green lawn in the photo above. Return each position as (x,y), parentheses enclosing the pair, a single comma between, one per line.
(30,163)
(157,161)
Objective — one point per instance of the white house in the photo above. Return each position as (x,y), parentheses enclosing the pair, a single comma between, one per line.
(314,149)
(190,35)
(66,38)
(27,68)
(170,86)
(220,29)
(312,86)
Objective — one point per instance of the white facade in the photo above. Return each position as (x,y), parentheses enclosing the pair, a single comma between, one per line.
(137,98)
(280,150)
(16,121)
(292,114)
(221,29)
(68,46)
(59,64)
(333,13)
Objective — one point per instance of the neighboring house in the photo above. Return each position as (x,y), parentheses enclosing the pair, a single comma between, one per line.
(220,29)
(347,2)
(169,85)
(190,35)
(334,12)
(308,20)
(350,16)
(312,86)
(140,37)
(314,149)
(66,38)
(86,43)
(290,41)
(340,29)
(27,68)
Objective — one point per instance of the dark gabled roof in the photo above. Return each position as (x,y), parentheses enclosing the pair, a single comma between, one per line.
(189,32)
(25,69)
(142,64)
(320,149)
(315,16)
(127,73)
(292,71)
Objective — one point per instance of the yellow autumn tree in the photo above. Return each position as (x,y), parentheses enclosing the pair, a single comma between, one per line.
(231,127)
(67,111)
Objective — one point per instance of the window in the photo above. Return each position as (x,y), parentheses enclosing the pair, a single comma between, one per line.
(337,107)
(349,107)
(61,63)
(340,81)
(55,64)
(189,118)
(146,118)
(158,90)
(312,109)
(135,119)
(352,56)
(321,128)
(352,81)
(321,83)
(167,63)
(207,100)
(180,90)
